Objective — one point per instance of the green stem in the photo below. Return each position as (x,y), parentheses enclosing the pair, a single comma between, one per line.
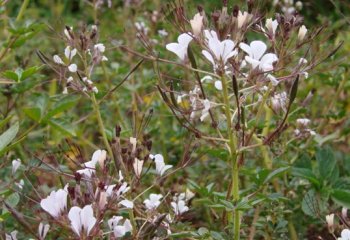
(21,11)
(101,125)
(233,157)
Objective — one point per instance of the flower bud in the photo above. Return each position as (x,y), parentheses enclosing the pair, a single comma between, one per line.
(271,26)
(197,24)
(330,222)
(302,33)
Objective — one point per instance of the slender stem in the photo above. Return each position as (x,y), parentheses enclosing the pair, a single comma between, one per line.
(21,11)
(233,157)
(101,125)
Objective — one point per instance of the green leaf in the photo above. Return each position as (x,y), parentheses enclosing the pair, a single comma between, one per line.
(29,72)
(341,197)
(310,204)
(306,174)
(275,173)
(59,126)
(326,162)
(34,113)
(11,75)
(61,106)
(7,137)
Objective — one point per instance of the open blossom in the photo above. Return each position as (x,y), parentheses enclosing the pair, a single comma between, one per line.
(57,59)
(271,26)
(220,51)
(97,156)
(73,68)
(345,235)
(179,207)
(161,168)
(180,48)
(15,165)
(118,229)
(256,56)
(43,230)
(12,235)
(56,202)
(100,47)
(69,52)
(82,219)
(153,202)
(197,24)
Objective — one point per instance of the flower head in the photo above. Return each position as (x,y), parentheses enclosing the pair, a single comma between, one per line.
(345,235)
(153,202)
(97,156)
(180,48)
(82,219)
(119,230)
(179,207)
(56,202)
(69,52)
(161,168)
(256,56)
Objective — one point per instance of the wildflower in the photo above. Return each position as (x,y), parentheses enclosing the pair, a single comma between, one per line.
(218,85)
(100,47)
(97,156)
(161,168)
(82,219)
(303,122)
(330,222)
(163,33)
(12,235)
(302,33)
(180,48)
(15,165)
(179,207)
(119,230)
(66,32)
(73,68)
(56,202)
(256,56)
(69,52)
(271,26)
(58,60)
(127,203)
(43,230)
(138,164)
(279,101)
(197,24)
(302,61)
(205,111)
(153,202)
(220,51)
(345,235)
(242,18)
(110,190)
(272,79)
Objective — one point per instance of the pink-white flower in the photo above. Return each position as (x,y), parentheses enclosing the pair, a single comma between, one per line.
(90,166)
(73,68)
(69,53)
(180,48)
(242,18)
(219,51)
(179,207)
(345,235)
(82,219)
(127,203)
(161,168)
(197,24)
(257,57)
(43,230)
(153,202)
(118,229)
(271,26)
(56,202)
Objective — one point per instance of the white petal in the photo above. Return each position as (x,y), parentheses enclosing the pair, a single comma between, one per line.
(246,48)
(208,56)
(127,203)
(74,217)
(87,218)
(73,67)
(218,85)
(258,49)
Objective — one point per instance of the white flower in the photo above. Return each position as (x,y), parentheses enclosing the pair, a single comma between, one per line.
(180,48)
(271,26)
(179,207)
(161,168)
(65,90)
(256,56)
(67,33)
(302,61)
(273,80)
(218,85)
(153,202)
(127,203)
(163,33)
(73,68)
(69,52)
(138,164)
(100,47)
(43,230)
(345,235)
(82,219)
(302,32)
(15,165)
(197,24)
(279,101)
(205,110)
(70,79)
(58,60)
(242,18)
(119,230)
(220,51)
(12,235)
(330,221)
(97,156)
(110,190)
(56,202)
(303,122)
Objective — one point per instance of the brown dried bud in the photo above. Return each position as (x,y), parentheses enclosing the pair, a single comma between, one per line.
(235,10)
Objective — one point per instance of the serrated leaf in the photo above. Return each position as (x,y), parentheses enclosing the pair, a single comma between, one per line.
(306,174)
(326,162)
